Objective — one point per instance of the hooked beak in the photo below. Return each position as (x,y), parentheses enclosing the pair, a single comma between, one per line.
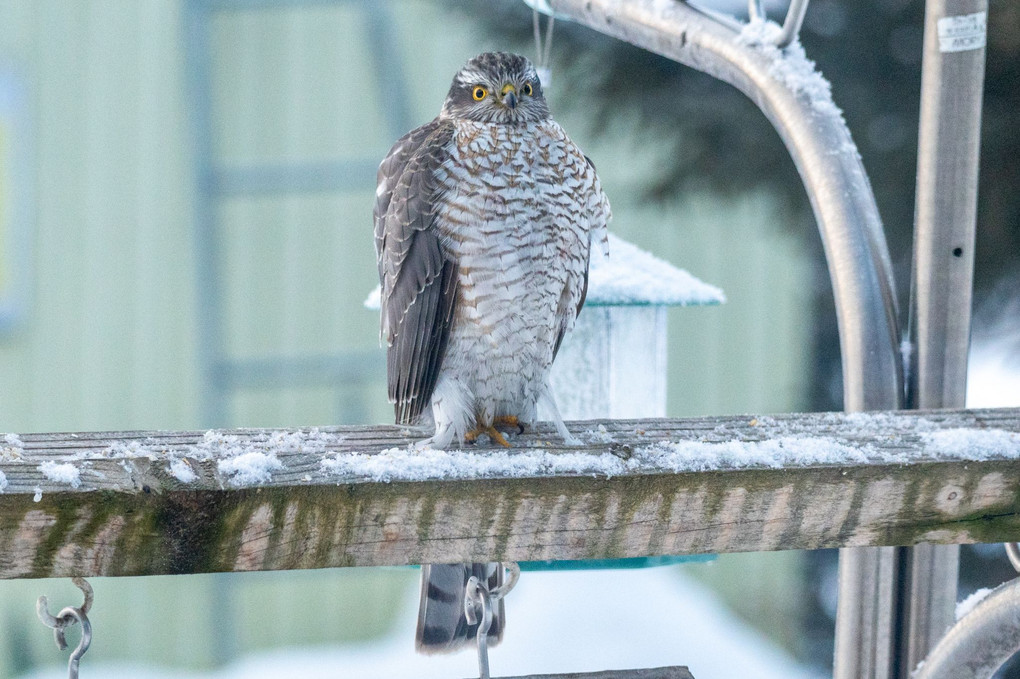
(509,96)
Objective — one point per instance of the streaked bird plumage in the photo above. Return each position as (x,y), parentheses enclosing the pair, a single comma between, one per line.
(484,222)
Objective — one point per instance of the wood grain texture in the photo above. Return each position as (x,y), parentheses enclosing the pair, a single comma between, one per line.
(902,482)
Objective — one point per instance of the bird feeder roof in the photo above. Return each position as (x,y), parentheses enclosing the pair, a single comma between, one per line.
(631,276)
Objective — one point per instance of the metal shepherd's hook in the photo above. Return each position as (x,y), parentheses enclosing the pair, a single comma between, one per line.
(478,605)
(67,617)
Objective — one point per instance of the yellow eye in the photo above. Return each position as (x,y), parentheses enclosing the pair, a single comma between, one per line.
(527,89)
(479,93)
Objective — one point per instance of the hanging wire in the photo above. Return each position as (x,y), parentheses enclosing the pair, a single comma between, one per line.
(756,10)
(543,49)
(794,20)
(67,617)
(791,24)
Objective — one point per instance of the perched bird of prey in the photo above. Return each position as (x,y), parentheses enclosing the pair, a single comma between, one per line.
(484,221)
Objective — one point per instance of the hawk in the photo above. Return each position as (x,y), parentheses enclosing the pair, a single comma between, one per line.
(484,222)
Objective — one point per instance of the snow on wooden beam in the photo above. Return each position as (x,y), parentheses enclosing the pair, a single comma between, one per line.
(145,503)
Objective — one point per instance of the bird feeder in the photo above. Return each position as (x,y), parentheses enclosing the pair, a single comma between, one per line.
(613,364)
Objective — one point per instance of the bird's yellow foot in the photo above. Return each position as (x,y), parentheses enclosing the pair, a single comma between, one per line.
(491,432)
(509,421)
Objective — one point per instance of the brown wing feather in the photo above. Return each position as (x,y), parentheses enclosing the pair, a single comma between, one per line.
(418,277)
(584,290)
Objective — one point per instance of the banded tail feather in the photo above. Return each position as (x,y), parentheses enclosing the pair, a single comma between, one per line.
(442,624)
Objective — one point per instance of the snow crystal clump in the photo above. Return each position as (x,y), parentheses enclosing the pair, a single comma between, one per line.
(249,469)
(790,65)
(182,471)
(374,300)
(3,482)
(12,447)
(967,605)
(61,472)
(38,494)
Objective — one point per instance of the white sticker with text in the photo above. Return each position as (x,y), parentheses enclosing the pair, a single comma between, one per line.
(963,32)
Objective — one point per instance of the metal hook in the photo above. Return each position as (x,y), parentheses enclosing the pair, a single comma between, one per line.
(479,603)
(511,581)
(83,643)
(67,617)
(1013,552)
(478,611)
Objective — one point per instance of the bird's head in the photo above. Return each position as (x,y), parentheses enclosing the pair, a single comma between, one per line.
(496,87)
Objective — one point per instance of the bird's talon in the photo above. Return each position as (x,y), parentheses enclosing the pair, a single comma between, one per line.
(491,432)
(509,421)
(496,436)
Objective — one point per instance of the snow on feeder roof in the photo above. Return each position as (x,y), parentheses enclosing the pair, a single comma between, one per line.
(631,276)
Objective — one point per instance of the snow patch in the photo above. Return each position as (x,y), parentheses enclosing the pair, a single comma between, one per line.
(252,461)
(718,450)
(3,482)
(182,471)
(12,447)
(374,300)
(967,605)
(972,444)
(250,469)
(61,472)
(993,369)
(631,275)
(791,66)
(683,456)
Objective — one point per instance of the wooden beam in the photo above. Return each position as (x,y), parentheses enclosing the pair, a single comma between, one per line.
(145,503)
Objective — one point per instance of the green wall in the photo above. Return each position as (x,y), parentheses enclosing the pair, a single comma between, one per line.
(109,340)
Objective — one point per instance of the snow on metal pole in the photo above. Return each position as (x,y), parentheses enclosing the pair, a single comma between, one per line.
(797,101)
(952,81)
(981,642)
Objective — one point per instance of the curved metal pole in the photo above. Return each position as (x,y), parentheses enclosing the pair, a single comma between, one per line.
(855,247)
(981,642)
(825,155)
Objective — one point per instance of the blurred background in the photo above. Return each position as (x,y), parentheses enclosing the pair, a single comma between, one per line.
(185,242)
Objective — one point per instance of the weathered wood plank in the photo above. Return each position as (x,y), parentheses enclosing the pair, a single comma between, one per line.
(137,503)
